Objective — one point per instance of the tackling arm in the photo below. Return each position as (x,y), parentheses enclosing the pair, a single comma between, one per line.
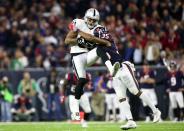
(71,38)
(92,38)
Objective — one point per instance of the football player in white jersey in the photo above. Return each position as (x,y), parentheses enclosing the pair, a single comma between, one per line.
(81,56)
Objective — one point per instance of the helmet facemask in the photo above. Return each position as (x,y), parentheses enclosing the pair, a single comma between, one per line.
(91,18)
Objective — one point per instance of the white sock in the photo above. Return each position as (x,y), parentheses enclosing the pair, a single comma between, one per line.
(126,110)
(74,105)
(109,65)
(148,101)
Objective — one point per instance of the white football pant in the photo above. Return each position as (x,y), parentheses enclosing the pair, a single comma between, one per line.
(111,101)
(176,98)
(83,102)
(123,80)
(151,94)
(80,62)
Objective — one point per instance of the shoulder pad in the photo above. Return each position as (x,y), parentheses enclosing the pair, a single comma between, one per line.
(74,24)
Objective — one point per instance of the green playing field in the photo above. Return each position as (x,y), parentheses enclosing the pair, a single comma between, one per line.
(93,126)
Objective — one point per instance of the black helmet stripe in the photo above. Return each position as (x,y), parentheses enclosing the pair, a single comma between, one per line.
(94,13)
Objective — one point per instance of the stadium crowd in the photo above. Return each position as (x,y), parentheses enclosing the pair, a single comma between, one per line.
(32,32)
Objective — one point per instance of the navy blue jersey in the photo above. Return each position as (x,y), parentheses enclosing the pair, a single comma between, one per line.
(72,82)
(174,80)
(111,51)
(150,74)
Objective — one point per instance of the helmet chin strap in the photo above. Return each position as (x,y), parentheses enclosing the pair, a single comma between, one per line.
(90,27)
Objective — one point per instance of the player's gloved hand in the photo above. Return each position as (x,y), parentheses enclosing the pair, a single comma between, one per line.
(81,42)
(85,44)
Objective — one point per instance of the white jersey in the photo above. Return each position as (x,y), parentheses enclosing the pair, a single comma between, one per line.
(81,25)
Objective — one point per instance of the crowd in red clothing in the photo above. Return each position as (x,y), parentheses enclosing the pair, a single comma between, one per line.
(32,32)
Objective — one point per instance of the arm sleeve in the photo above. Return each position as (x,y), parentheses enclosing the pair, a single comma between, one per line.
(74,25)
(19,89)
(36,86)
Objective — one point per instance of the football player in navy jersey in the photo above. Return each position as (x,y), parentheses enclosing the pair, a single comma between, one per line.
(147,85)
(182,71)
(69,86)
(124,79)
(174,88)
(112,100)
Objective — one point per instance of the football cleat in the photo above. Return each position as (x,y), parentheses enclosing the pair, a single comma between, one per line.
(147,119)
(156,116)
(84,124)
(115,68)
(75,116)
(129,125)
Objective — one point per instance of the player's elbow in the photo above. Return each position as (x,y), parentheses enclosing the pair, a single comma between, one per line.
(66,41)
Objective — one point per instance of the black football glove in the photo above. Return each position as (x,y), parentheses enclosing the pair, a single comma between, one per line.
(85,44)
(81,42)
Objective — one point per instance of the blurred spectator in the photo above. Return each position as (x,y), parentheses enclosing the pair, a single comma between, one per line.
(147,85)
(152,50)
(138,55)
(20,61)
(182,71)
(32,32)
(30,88)
(171,39)
(38,62)
(182,68)
(53,96)
(112,101)
(4,59)
(174,88)
(129,51)
(31,28)
(98,97)
(5,100)
(22,109)
(181,34)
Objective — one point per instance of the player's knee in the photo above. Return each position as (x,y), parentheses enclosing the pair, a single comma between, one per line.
(134,91)
(79,88)
(87,110)
(82,81)
(122,100)
(100,52)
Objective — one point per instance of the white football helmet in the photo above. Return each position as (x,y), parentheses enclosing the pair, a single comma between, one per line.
(93,14)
